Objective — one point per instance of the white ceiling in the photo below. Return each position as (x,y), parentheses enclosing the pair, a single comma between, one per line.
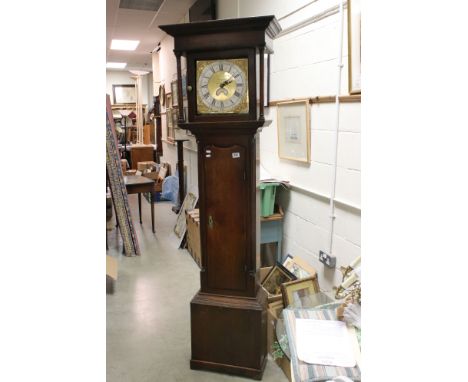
(128,24)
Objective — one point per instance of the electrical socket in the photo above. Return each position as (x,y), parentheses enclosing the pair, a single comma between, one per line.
(328,260)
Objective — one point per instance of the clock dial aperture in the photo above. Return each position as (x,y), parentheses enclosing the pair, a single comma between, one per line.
(222,86)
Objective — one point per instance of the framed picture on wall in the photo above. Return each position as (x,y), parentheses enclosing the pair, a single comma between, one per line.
(174,93)
(162,95)
(175,117)
(169,125)
(354,46)
(293,123)
(168,100)
(124,94)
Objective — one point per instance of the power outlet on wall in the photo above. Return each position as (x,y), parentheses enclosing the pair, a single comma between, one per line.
(328,260)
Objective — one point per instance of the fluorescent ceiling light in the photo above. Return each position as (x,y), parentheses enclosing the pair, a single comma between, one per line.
(124,44)
(139,72)
(116,65)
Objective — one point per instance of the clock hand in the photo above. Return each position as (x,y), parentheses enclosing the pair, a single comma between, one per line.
(225,82)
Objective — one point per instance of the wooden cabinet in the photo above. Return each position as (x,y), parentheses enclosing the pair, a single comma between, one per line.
(140,154)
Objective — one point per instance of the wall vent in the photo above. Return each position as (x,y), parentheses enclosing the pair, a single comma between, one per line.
(141,5)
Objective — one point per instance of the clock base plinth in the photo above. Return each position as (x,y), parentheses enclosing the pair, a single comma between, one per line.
(229,334)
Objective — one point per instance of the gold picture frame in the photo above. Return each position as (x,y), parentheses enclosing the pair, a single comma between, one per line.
(124,94)
(293,127)
(296,292)
(354,46)
(273,280)
(169,125)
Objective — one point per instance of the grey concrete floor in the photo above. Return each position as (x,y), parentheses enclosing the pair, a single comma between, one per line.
(148,316)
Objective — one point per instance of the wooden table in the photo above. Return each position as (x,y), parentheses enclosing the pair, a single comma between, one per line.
(136,184)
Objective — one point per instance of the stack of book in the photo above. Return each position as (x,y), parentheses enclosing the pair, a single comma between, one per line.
(319,344)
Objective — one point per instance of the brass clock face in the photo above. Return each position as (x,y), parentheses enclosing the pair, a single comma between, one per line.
(222,86)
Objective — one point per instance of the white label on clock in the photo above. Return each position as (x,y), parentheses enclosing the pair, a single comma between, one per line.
(236,155)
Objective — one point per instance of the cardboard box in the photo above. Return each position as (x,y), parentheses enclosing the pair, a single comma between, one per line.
(263,272)
(111,273)
(147,165)
(124,164)
(285,365)
(273,314)
(151,175)
(158,176)
(111,267)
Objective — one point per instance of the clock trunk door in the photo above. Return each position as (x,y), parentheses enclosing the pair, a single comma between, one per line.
(226,243)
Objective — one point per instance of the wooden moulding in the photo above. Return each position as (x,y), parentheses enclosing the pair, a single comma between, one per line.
(324,99)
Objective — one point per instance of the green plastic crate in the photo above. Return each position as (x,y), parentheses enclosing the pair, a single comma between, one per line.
(268,198)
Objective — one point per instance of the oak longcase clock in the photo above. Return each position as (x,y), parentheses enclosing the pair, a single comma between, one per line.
(225,113)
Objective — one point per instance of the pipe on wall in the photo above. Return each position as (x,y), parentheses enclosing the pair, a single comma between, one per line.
(336,130)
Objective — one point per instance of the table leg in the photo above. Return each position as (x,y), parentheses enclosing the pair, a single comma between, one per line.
(139,206)
(152,210)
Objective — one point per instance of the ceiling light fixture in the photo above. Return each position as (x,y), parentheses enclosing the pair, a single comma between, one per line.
(116,65)
(138,72)
(124,44)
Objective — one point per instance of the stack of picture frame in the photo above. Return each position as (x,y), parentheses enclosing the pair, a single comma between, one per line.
(293,282)
(118,189)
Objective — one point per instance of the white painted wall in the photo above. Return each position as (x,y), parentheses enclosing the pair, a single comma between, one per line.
(123,77)
(168,73)
(304,65)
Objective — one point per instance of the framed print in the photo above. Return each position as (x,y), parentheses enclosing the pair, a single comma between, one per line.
(299,267)
(162,95)
(124,94)
(175,117)
(354,46)
(174,93)
(169,125)
(168,100)
(293,123)
(298,292)
(277,276)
